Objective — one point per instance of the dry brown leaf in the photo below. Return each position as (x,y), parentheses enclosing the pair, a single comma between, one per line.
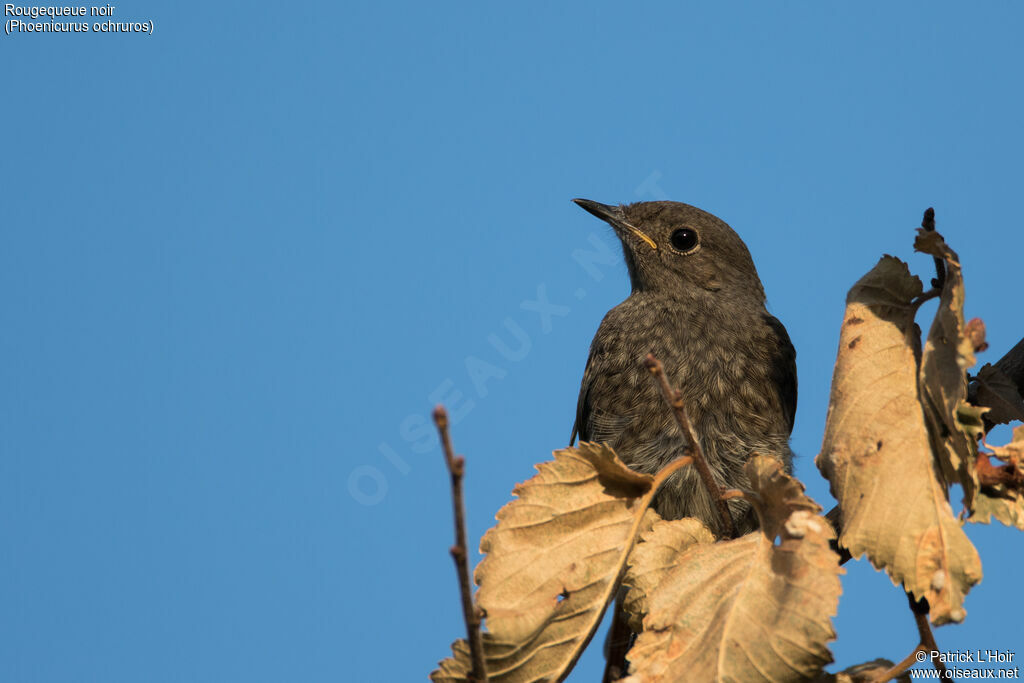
(1004,502)
(997,392)
(877,454)
(1012,452)
(975,332)
(741,610)
(553,562)
(868,672)
(654,557)
(1009,511)
(948,353)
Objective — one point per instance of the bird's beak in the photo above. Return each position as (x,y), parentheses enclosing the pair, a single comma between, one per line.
(614,217)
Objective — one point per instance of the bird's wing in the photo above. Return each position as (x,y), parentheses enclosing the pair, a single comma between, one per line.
(579,427)
(785,371)
(598,420)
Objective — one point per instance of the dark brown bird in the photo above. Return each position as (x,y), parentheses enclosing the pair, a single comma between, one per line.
(698,305)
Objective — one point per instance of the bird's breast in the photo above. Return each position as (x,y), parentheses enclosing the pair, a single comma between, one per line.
(717,361)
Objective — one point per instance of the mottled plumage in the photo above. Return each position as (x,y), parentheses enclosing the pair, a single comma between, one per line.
(698,305)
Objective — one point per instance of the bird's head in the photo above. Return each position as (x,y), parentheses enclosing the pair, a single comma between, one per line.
(677,249)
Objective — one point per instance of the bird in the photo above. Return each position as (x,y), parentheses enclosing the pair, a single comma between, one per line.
(698,305)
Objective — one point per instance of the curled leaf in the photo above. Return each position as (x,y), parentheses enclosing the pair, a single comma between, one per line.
(1001,495)
(975,333)
(948,353)
(997,392)
(742,610)
(654,558)
(877,451)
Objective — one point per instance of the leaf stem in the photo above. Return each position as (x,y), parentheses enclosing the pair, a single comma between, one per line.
(939,281)
(674,398)
(928,225)
(924,630)
(899,669)
(456,468)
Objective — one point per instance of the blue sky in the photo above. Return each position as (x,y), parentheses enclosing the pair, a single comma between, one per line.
(242,257)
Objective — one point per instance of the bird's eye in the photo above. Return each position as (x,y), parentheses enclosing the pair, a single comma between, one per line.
(684,239)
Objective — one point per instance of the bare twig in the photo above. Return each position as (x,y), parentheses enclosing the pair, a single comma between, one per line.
(675,399)
(928,224)
(924,629)
(899,669)
(928,220)
(939,281)
(456,468)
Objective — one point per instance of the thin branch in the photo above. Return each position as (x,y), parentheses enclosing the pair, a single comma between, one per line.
(927,296)
(928,225)
(939,281)
(924,629)
(456,468)
(901,668)
(928,220)
(675,400)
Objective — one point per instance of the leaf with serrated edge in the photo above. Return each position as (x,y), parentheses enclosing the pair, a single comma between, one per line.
(740,610)
(997,392)
(876,452)
(553,562)
(655,557)
(948,353)
(1002,502)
